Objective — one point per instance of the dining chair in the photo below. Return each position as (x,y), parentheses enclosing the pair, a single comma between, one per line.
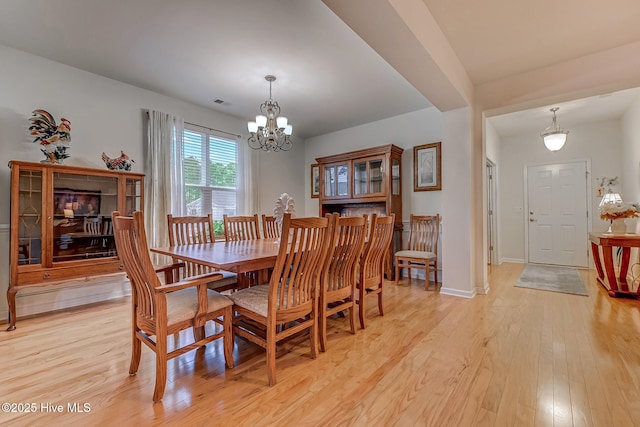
(270,229)
(93,229)
(422,248)
(160,310)
(288,304)
(191,230)
(241,227)
(338,283)
(372,262)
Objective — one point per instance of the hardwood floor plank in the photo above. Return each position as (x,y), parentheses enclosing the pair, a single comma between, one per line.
(513,357)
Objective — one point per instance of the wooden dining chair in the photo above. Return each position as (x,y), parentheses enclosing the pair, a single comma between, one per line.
(241,227)
(191,230)
(270,229)
(288,304)
(372,262)
(422,248)
(338,283)
(162,310)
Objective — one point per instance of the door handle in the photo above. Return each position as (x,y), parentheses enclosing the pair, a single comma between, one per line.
(533,220)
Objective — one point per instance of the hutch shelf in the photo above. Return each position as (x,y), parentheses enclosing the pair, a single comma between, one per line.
(61,223)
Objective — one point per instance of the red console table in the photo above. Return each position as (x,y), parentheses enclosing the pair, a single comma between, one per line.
(615,285)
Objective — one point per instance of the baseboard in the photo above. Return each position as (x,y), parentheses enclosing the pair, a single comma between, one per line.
(483,290)
(37,300)
(458,293)
(513,260)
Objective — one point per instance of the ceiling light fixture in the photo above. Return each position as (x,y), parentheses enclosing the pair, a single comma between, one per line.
(554,137)
(270,131)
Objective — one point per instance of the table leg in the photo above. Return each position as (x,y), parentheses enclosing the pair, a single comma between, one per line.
(607,253)
(595,251)
(624,268)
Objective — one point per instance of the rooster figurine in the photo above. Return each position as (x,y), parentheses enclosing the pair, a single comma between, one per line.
(118,163)
(53,138)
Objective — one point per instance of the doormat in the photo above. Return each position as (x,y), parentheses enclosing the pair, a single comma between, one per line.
(550,278)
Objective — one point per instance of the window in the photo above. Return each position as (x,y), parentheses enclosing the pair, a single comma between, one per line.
(210,166)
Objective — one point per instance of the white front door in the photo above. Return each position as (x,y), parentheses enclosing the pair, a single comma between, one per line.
(557,217)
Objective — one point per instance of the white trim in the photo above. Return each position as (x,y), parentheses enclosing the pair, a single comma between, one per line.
(514,260)
(458,293)
(483,290)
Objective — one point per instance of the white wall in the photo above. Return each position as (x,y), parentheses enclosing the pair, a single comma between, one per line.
(631,153)
(600,141)
(105,116)
(405,131)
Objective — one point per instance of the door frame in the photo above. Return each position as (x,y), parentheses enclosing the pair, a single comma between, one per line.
(525,212)
(492,218)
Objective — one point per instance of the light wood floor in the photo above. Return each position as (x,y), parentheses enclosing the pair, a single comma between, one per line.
(515,357)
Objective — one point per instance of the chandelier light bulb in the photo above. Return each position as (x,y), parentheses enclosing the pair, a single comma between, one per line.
(282,122)
(261,121)
(252,126)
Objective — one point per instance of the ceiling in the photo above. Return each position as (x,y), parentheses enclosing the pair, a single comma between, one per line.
(327,77)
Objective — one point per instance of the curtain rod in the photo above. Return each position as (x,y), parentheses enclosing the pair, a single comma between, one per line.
(217,130)
(207,127)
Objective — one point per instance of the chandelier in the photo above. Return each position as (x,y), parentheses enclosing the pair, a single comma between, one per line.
(554,137)
(270,131)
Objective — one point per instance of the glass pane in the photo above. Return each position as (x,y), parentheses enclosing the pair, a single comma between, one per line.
(343,180)
(30,218)
(82,207)
(375,176)
(360,178)
(395,177)
(133,196)
(329,181)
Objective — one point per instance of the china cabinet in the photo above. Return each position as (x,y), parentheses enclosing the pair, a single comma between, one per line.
(363,181)
(61,223)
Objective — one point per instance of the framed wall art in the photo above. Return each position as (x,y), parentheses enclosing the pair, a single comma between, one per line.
(427,167)
(315,180)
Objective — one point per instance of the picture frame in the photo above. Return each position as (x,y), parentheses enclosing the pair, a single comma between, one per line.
(427,167)
(315,181)
(73,202)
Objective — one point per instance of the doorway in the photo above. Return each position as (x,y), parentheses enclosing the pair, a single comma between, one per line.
(557,217)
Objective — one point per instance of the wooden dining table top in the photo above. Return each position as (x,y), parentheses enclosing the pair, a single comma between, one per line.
(239,256)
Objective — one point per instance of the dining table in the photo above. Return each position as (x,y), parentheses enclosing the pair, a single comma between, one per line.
(243,257)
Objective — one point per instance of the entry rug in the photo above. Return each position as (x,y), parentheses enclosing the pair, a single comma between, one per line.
(550,278)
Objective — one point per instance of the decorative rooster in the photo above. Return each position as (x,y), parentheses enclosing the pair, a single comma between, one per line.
(54,139)
(118,163)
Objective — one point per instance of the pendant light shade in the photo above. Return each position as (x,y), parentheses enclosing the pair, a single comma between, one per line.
(554,137)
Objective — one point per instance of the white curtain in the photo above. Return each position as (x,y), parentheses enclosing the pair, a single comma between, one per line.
(247,196)
(163,181)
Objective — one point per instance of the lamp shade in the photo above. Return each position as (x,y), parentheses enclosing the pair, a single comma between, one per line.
(610,199)
(555,141)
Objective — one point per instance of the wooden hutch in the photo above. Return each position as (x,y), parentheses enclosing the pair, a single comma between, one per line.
(364,181)
(61,223)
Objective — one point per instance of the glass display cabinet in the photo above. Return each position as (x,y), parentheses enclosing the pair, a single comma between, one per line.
(61,223)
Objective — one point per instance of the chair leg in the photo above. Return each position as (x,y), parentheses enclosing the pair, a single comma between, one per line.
(380,300)
(136,349)
(314,334)
(361,295)
(323,329)
(435,273)
(227,340)
(198,333)
(271,359)
(397,271)
(161,368)
(352,317)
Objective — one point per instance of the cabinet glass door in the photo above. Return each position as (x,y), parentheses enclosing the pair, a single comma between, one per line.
(336,180)
(395,177)
(133,199)
(82,206)
(30,217)
(368,177)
